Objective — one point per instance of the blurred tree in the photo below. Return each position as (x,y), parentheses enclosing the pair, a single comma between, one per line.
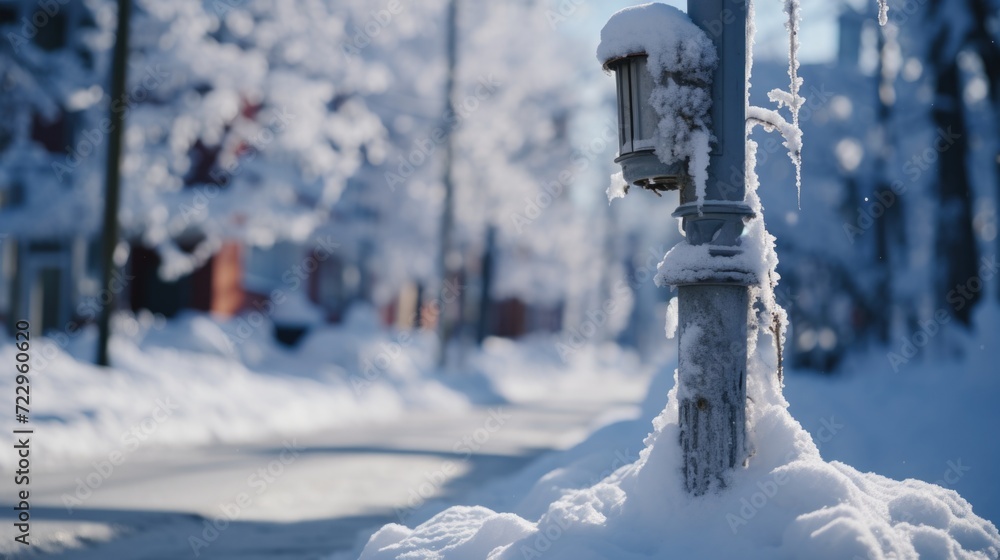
(956,248)
(957,25)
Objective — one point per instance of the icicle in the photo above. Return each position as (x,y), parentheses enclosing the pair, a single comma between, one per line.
(771,120)
(618,187)
(751,34)
(883,12)
(794,100)
(773,318)
(698,163)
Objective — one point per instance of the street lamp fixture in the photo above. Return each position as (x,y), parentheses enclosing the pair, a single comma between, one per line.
(637,122)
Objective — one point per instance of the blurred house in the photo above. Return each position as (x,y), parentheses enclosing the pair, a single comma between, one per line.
(215,287)
(48,267)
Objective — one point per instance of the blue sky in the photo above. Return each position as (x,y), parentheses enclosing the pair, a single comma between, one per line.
(818,25)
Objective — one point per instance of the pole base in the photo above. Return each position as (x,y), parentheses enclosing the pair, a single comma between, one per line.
(712,380)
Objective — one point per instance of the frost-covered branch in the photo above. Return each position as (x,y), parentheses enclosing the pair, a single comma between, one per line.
(770,119)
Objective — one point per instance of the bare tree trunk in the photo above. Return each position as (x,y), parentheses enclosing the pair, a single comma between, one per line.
(109,231)
(956,241)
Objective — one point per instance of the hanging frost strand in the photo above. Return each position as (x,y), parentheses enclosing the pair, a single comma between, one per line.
(883,12)
(794,100)
(770,119)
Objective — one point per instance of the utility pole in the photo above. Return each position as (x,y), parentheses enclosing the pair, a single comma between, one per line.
(713,290)
(484,318)
(714,309)
(112,180)
(444,324)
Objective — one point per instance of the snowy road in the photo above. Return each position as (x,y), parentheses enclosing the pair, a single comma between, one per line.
(283,500)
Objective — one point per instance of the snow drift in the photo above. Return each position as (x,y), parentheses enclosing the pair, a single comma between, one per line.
(788,503)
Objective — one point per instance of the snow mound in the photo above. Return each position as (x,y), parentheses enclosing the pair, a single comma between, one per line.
(789,503)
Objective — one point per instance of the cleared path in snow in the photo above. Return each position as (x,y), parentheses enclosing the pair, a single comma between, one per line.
(306,501)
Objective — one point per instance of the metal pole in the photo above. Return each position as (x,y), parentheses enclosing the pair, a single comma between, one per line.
(113,178)
(483,321)
(714,309)
(444,326)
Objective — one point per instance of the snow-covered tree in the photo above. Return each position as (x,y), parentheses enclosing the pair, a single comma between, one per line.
(250,126)
(51,141)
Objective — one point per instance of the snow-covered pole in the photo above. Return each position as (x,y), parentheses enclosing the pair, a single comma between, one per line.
(681,81)
(713,304)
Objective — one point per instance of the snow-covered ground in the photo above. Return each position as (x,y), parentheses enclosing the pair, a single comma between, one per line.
(197,380)
(605,496)
(932,418)
(132,461)
(928,422)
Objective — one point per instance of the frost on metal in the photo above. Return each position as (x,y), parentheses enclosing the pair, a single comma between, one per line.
(675,47)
